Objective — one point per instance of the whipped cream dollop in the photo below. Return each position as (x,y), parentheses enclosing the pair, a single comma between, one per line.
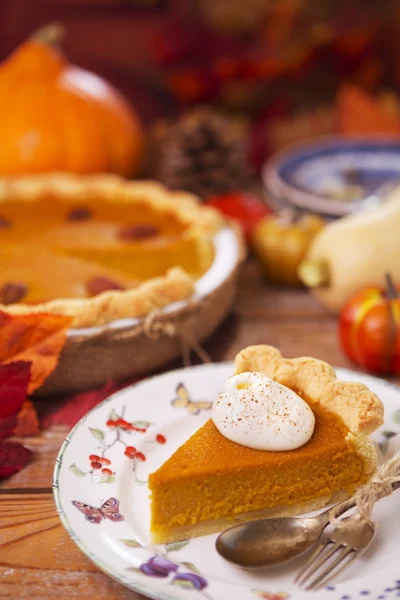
(256,411)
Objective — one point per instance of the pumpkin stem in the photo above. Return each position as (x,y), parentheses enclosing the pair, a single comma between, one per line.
(391,291)
(314,273)
(50,34)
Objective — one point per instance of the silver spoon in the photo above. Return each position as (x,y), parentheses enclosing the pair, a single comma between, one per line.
(270,542)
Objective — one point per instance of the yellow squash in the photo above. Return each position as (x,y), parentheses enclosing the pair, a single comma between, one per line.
(354,252)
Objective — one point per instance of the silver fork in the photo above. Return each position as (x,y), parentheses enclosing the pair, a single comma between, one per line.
(343,545)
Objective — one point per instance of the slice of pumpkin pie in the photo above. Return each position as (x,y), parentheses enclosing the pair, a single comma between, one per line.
(286,437)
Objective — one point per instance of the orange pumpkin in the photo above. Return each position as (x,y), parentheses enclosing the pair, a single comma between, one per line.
(58,117)
(369,329)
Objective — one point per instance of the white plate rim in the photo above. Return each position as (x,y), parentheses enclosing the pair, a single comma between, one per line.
(58,465)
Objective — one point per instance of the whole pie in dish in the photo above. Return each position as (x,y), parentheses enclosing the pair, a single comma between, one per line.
(99,248)
(210,480)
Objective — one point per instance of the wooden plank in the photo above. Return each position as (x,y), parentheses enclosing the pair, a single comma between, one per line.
(38,473)
(46,584)
(39,560)
(257,298)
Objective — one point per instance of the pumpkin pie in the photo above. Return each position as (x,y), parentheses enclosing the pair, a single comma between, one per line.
(211,481)
(99,248)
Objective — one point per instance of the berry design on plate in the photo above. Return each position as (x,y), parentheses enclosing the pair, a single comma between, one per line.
(160,439)
(163,568)
(183,400)
(158,566)
(117,432)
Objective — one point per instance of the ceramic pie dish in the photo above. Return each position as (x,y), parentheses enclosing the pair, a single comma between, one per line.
(143,272)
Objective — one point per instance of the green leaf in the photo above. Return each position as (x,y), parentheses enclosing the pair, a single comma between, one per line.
(396,417)
(191,567)
(175,546)
(131,543)
(108,478)
(113,415)
(142,424)
(97,433)
(133,570)
(183,583)
(76,470)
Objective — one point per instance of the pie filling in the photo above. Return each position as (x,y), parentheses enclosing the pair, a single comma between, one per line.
(58,248)
(213,479)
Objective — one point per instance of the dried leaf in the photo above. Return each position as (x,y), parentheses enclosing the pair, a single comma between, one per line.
(27,420)
(13,457)
(98,434)
(69,409)
(36,338)
(14,381)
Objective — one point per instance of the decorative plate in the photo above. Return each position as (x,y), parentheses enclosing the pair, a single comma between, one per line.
(100,489)
(332,175)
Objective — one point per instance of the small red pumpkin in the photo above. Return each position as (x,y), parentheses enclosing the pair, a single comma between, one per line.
(58,117)
(369,328)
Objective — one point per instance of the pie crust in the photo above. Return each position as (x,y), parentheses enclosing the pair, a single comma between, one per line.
(152,294)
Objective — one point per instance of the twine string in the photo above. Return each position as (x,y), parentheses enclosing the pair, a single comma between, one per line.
(155,328)
(382,484)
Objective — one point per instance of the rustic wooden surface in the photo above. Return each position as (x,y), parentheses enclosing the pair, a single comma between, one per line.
(37,558)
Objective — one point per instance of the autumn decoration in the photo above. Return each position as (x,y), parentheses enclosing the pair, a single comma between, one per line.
(281,241)
(58,117)
(354,252)
(369,328)
(29,350)
(243,207)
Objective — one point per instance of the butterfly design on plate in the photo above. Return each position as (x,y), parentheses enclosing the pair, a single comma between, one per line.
(183,400)
(108,510)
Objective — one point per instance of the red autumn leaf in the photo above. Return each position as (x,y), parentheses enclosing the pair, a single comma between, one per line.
(68,410)
(14,381)
(13,457)
(27,422)
(36,338)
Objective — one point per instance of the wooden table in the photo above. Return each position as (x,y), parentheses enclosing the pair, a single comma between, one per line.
(37,558)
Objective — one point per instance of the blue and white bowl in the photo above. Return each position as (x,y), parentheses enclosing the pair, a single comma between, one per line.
(332,175)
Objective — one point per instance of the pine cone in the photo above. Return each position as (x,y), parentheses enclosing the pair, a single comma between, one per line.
(203,152)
